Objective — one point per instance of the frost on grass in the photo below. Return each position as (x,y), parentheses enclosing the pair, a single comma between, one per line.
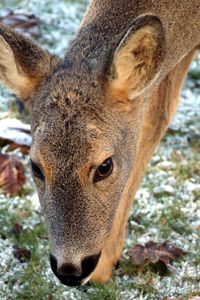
(167,206)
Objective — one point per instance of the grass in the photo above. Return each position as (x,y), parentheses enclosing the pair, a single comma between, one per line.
(194,74)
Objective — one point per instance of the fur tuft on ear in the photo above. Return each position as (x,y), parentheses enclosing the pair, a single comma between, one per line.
(23,65)
(138,58)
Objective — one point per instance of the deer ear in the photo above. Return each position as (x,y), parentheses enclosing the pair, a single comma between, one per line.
(138,58)
(23,65)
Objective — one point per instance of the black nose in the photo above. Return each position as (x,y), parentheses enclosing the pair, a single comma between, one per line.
(72,275)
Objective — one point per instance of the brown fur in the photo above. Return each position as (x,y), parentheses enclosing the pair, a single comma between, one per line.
(112,96)
(23,65)
(136,59)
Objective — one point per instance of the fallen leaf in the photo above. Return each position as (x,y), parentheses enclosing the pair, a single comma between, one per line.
(23,22)
(153,252)
(21,254)
(17,229)
(12,176)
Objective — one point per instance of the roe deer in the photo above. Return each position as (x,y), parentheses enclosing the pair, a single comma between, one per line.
(96,118)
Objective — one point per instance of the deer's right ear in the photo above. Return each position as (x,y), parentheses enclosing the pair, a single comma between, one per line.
(23,65)
(138,58)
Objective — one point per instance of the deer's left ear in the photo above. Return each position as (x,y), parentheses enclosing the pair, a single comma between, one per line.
(138,58)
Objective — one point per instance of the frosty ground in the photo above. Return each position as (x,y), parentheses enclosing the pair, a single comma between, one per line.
(167,206)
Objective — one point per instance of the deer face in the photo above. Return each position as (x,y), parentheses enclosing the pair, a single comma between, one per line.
(81,157)
(85,129)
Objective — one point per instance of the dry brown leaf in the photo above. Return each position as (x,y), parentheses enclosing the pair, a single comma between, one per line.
(12,176)
(17,229)
(153,252)
(24,23)
(21,254)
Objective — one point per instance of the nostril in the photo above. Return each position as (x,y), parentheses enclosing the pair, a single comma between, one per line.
(53,263)
(68,270)
(89,263)
(72,275)
(64,270)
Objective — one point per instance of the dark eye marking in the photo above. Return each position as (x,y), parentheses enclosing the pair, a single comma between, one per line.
(36,171)
(104,170)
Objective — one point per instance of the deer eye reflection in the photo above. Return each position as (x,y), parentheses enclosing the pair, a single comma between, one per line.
(104,170)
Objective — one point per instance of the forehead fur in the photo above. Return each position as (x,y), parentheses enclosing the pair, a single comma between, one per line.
(73,94)
(69,116)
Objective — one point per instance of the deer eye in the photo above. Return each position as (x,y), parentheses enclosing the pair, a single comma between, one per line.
(37,172)
(104,170)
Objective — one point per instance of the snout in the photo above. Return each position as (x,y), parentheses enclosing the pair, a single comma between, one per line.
(74,275)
